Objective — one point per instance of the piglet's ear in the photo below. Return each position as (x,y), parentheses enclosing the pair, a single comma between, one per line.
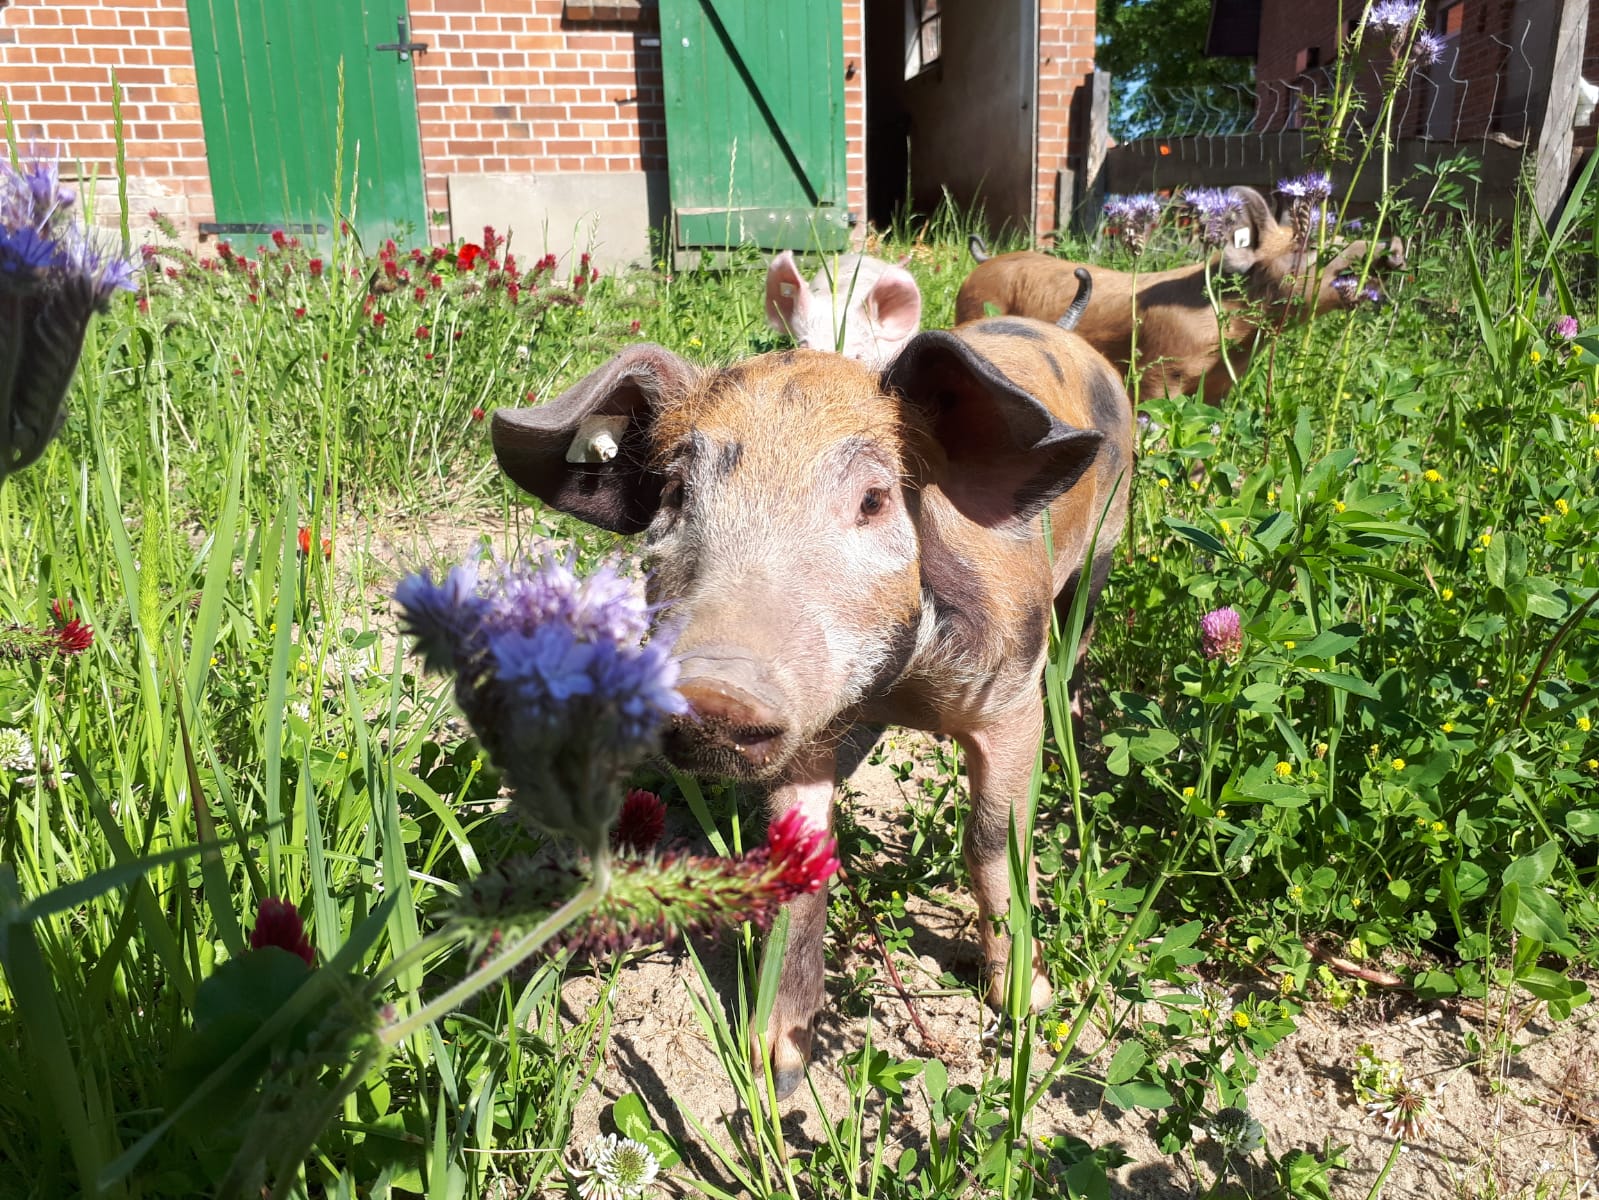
(1007,455)
(587,451)
(895,305)
(788,301)
(1246,239)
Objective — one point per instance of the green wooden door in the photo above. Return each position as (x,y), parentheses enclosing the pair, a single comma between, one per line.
(755,122)
(268,74)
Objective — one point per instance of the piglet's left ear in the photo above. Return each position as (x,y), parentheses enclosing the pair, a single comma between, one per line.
(1007,455)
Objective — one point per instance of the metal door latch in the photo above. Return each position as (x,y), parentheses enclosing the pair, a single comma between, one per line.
(404,46)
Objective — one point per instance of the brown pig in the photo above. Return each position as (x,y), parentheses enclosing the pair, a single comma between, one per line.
(1266,282)
(839,546)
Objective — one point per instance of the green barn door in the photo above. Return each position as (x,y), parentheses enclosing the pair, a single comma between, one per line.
(268,74)
(755,122)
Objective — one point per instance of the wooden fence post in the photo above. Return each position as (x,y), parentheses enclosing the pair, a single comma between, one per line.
(1552,166)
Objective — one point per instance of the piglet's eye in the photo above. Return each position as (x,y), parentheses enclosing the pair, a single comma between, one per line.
(872,503)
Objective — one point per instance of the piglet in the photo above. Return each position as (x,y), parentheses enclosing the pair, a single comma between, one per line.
(842,545)
(862,307)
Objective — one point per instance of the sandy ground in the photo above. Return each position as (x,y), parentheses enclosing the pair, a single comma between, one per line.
(1526,1126)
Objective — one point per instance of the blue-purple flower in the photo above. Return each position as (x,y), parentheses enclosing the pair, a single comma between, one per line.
(54,275)
(1305,194)
(1218,210)
(1428,49)
(553,674)
(1392,16)
(1135,217)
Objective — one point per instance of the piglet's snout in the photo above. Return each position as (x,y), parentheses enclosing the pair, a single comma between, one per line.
(732,712)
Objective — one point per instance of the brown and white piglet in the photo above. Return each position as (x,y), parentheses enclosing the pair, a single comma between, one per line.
(862,307)
(839,545)
(1271,279)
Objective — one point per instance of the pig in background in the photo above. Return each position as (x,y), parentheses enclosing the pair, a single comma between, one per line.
(1269,279)
(839,545)
(862,307)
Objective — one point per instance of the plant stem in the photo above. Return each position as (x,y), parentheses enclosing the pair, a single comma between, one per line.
(1382,1176)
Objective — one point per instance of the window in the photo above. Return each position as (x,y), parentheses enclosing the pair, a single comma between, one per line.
(1307,59)
(1453,18)
(923,41)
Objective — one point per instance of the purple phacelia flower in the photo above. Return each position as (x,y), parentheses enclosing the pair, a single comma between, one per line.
(1428,49)
(1566,327)
(1135,217)
(1221,634)
(1347,287)
(1392,16)
(1314,187)
(551,673)
(54,275)
(1218,210)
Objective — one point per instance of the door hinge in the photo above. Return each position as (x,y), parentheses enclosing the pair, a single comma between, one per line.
(404,46)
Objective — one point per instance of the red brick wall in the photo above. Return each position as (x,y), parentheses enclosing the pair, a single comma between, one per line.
(56,61)
(1065,63)
(510,87)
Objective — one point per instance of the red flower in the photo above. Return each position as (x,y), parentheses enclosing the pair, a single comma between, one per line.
(594,275)
(172,272)
(315,267)
(634,327)
(277,923)
(532,396)
(420,295)
(478,414)
(490,239)
(422,332)
(417,257)
(327,547)
(305,540)
(344,228)
(435,282)
(466,258)
(456,335)
(514,291)
(379,320)
(224,251)
(144,304)
(428,357)
(278,239)
(300,313)
(803,856)
(72,635)
(253,298)
(391,268)
(389,249)
(640,824)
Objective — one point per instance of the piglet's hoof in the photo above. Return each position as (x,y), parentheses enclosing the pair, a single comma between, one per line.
(1041,993)
(791,1053)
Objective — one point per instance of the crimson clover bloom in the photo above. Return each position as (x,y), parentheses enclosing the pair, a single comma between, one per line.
(54,275)
(277,923)
(24,642)
(1135,218)
(1218,210)
(653,900)
(551,673)
(1221,634)
(641,824)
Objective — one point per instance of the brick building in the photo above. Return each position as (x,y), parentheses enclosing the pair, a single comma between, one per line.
(1490,84)
(575,124)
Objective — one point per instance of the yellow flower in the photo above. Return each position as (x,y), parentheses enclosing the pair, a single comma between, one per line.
(1339,506)
(1187,792)
(213,660)
(302,666)
(1486,537)
(272,628)
(694,341)
(1535,356)
(1241,1019)
(1593,764)
(1562,507)
(1447,595)
(1061,1030)
(1226,527)
(1375,749)
(1271,497)
(1354,902)
(1544,518)
(1289,644)
(1284,769)
(1432,476)
(1163,484)
(1447,727)
(1584,724)
(1439,827)
(1593,419)
(1296,893)
(1196,485)
(1398,764)
(1221,814)
(1491,701)
(343,755)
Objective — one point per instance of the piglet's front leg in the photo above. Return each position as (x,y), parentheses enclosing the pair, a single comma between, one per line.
(999,767)
(800,988)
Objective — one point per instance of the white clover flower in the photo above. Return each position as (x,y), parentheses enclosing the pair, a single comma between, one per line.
(613,1168)
(16,750)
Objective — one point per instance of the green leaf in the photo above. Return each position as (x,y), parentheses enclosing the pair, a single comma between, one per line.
(1347,683)
(1330,643)
(1198,536)
(1533,868)
(1129,1059)
(1583,822)
(1538,915)
(1139,1095)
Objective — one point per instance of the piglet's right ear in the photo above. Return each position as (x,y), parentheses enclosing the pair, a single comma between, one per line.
(587,451)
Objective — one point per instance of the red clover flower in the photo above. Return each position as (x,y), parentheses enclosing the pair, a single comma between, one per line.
(1566,327)
(641,824)
(552,672)
(277,923)
(1221,634)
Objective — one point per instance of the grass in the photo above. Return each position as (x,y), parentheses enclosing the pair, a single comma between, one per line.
(1399,765)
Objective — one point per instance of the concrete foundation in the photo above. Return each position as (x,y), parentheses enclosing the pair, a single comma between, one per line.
(608,215)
